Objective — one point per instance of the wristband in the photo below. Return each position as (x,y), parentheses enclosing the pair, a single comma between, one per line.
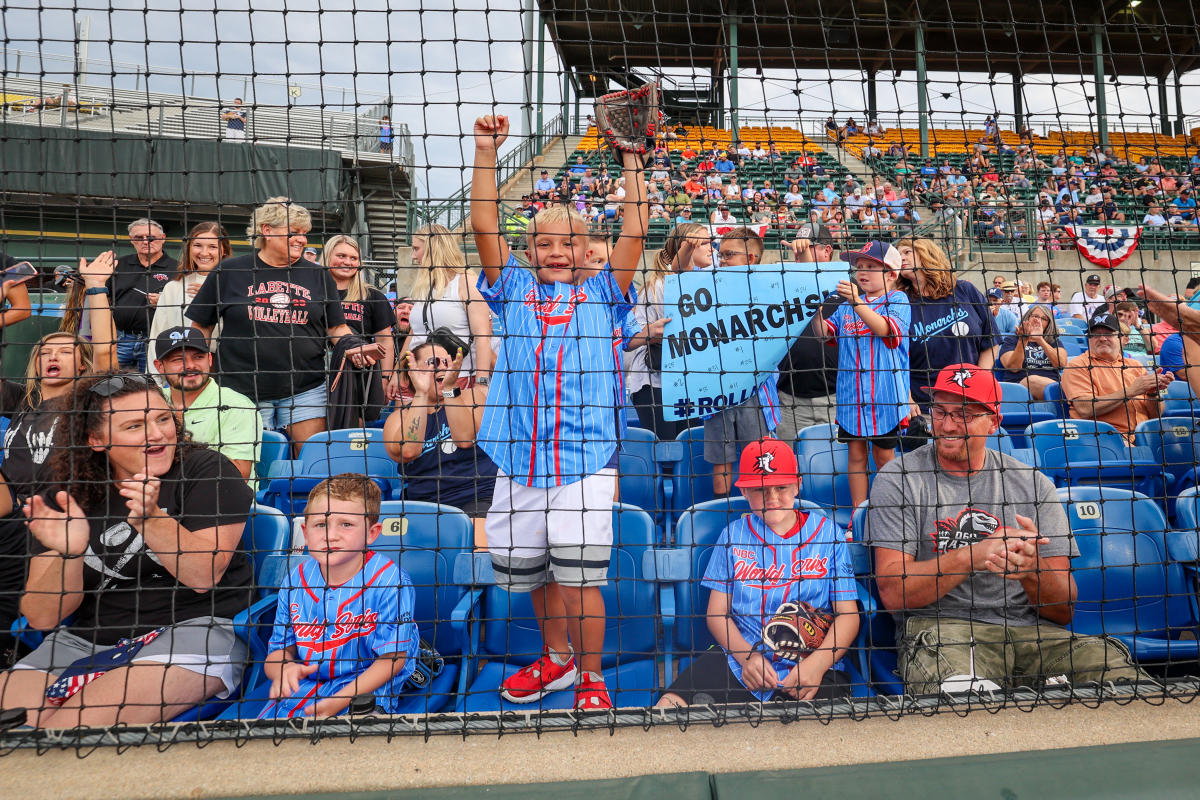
(95,290)
(70,557)
(481,380)
(450,394)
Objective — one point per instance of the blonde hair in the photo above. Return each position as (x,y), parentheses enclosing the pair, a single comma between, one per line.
(558,215)
(357,290)
(72,317)
(33,382)
(277,212)
(442,262)
(664,262)
(933,264)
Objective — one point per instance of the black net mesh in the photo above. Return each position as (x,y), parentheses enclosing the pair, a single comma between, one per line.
(356,383)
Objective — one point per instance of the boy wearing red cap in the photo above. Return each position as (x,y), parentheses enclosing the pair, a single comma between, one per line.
(773,556)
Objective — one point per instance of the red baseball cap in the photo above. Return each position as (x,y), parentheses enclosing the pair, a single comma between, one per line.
(767,462)
(974,384)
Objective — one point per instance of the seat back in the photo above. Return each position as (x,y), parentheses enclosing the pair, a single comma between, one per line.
(1126,582)
(1053,396)
(692,477)
(424,540)
(1057,433)
(347,450)
(638,471)
(697,533)
(825,478)
(267,534)
(1180,401)
(1187,509)
(509,627)
(274,448)
(1172,442)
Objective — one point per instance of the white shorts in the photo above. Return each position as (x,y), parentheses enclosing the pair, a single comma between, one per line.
(559,534)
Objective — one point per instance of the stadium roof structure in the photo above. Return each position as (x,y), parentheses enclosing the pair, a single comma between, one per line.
(606,38)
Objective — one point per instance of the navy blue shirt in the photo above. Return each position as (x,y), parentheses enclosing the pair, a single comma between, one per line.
(444,472)
(947,330)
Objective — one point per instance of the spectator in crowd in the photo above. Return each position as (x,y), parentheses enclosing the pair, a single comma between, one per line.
(776,536)
(684,216)
(370,317)
(808,372)
(724,166)
(234,118)
(872,382)
(206,245)
(14,298)
(1045,298)
(1154,217)
(315,668)
(1004,321)
(225,420)
(280,312)
(688,247)
(722,216)
(1032,357)
(727,431)
(977,572)
(138,536)
(445,297)
(433,436)
(1087,302)
(1105,385)
(951,322)
(135,287)
(544,186)
(385,134)
(1141,339)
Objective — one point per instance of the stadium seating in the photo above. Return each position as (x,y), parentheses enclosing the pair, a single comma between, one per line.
(824,464)
(696,535)
(638,471)
(1129,588)
(274,448)
(330,453)
(1180,401)
(506,636)
(1018,410)
(1085,452)
(1172,444)
(691,476)
(1053,395)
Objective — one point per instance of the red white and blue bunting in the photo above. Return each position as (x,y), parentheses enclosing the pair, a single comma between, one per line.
(1106,245)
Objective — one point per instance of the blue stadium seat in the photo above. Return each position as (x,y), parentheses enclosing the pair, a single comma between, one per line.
(1053,395)
(425,540)
(1018,410)
(1074,345)
(267,533)
(1187,509)
(4,423)
(696,535)
(1071,326)
(1129,588)
(640,477)
(274,448)
(691,476)
(880,629)
(824,476)
(1172,444)
(329,453)
(508,637)
(1180,401)
(1081,452)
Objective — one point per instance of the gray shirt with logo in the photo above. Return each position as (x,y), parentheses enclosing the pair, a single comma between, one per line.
(919,509)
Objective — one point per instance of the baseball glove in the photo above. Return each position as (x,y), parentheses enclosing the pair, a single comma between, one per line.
(630,120)
(796,630)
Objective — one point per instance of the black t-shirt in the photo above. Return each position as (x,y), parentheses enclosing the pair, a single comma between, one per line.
(127,592)
(130,284)
(368,316)
(276,323)
(1037,362)
(810,367)
(947,330)
(29,440)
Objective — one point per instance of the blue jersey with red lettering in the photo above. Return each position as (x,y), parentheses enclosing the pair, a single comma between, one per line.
(343,629)
(551,409)
(872,382)
(761,570)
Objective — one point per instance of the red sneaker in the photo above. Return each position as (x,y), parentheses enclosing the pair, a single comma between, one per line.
(591,694)
(538,680)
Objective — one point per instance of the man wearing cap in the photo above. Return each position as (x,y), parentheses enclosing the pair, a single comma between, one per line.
(544,186)
(1085,303)
(973,557)
(1104,385)
(774,555)
(1004,319)
(722,216)
(808,372)
(221,418)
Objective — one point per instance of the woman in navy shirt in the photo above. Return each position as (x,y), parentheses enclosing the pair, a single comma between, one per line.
(950,319)
(1033,357)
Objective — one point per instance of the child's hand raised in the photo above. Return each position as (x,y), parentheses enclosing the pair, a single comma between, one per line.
(848,291)
(491,130)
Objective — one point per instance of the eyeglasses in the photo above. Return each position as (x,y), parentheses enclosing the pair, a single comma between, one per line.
(144,239)
(115,383)
(958,415)
(437,362)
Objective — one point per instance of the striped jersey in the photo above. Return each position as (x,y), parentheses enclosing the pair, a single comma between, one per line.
(344,629)
(872,381)
(761,570)
(551,409)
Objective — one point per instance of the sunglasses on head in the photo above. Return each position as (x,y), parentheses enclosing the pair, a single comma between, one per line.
(115,383)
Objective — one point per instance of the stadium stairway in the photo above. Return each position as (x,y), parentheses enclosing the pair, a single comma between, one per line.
(553,156)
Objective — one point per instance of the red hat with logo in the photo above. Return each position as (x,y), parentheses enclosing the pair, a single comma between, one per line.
(972,383)
(767,462)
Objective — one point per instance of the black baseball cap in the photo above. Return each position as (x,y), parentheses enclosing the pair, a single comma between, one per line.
(1093,278)
(815,232)
(1105,320)
(177,338)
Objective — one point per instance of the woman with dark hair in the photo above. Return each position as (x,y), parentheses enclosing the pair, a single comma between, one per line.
(206,245)
(950,324)
(137,540)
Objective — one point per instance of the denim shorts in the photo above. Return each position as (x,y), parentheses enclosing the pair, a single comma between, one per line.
(279,414)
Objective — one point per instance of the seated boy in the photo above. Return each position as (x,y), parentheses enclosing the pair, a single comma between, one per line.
(772,556)
(344,624)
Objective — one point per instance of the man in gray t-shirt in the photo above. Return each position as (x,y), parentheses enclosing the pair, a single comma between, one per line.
(973,557)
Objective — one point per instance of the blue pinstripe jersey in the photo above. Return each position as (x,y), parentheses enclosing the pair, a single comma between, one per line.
(872,381)
(551,411)
(762,570)
(344,629)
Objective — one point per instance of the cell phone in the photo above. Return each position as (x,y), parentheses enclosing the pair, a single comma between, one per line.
(19,273)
